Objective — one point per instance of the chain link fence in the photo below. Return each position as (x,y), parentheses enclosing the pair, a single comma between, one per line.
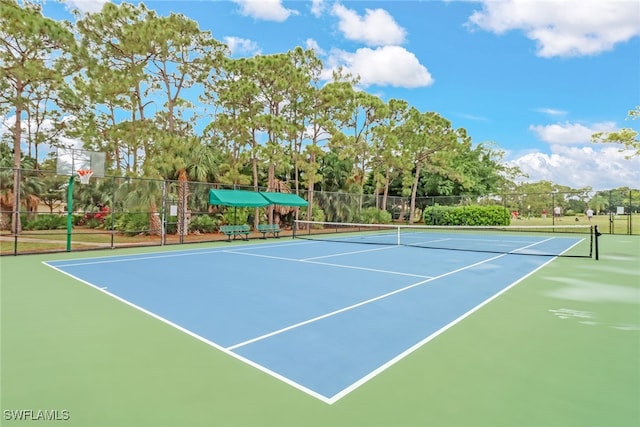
(115,212)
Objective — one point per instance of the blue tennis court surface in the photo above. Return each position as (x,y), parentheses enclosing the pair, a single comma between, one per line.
(322,316)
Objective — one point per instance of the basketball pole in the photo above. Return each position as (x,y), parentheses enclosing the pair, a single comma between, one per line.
(69,211)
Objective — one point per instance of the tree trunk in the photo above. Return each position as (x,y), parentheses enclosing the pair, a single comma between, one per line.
(183,193)
(385,195)
(155,224)
(312,160)
(310,200)
(414,192)
(271,176)
(17,132)
(254,169)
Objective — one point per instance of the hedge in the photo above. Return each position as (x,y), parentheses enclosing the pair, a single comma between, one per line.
(466,215)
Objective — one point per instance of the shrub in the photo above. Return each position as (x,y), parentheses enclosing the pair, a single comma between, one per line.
(203,224)
(94,223)
(132,223)
(374,215)
(110,220)
(171,227)
(46,222)
(237,216)
(466,215)
(97,219)
(317,214)
(79,219)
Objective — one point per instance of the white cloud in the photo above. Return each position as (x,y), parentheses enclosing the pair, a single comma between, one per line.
(318,7)
(46,128)
(375,28)
(240,46)
(473,117)
(601,168)
(563,27)
(570,133)
(312,44)
(268,10)
(385,66)
(87,6)
(576,162)
(551,111)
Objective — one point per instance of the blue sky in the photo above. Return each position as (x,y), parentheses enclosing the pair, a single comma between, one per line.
(534,77)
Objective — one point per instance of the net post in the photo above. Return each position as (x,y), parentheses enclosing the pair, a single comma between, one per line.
(596,235)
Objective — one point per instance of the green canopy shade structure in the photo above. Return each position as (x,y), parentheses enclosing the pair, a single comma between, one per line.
(237,198)
(284,199)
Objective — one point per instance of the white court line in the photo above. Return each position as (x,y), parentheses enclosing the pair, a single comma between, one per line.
(282,258)
(198,337)
(349,253)
(351,307)
(388,294)
(290,382)
(375,270)
(419,344)
(143,256)
(328,264)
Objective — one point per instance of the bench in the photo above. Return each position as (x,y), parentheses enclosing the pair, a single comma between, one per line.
(235,231)
(273,229)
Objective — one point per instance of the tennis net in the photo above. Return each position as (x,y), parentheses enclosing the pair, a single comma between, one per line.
(556,240)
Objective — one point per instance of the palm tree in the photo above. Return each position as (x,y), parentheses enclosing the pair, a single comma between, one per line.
(337,206)
(185,158)
(30,187)
(139,195)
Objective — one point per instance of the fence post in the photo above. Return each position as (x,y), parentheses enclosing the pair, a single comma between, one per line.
(112,210)
(553,207)
(163,218)
(15,215)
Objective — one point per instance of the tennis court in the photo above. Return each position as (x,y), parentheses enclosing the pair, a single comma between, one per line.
(324,318)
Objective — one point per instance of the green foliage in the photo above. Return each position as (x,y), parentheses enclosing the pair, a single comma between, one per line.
(317,214)
(466,215)
(94,223)
(237,216)
(47,222)
(374,215)
(203,224)
(130,223)
(171,226)
(78,219)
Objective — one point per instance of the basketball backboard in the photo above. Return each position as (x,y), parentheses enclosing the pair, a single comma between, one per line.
(70,160)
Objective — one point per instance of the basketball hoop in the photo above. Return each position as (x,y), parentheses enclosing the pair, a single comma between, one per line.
(84,175)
